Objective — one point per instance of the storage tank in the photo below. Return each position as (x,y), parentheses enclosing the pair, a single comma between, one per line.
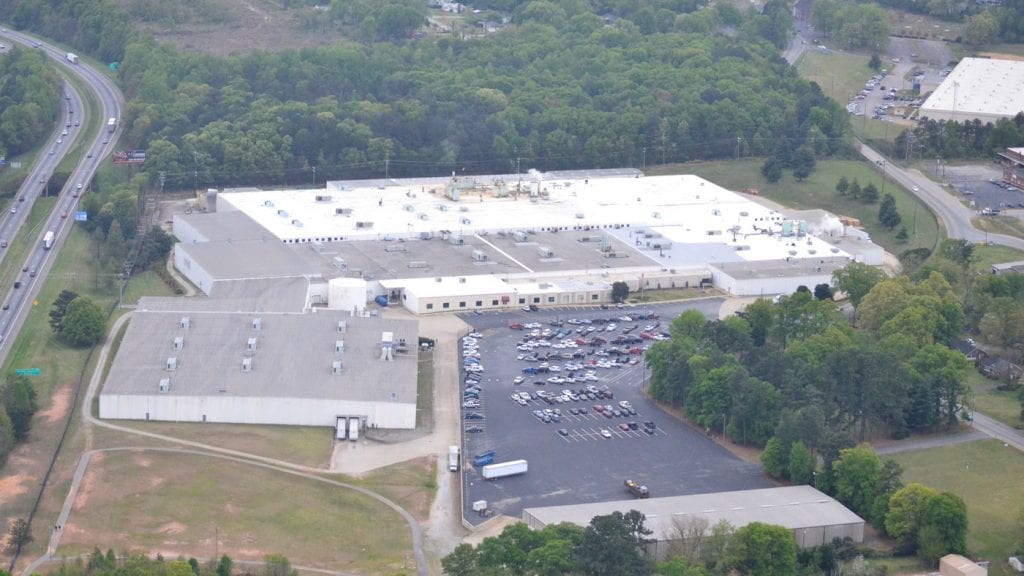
(346,294)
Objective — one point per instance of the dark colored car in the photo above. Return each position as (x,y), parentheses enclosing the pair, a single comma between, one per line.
(474,429)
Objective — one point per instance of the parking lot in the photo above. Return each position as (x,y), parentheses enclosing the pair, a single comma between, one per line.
(578,414)
(981,187)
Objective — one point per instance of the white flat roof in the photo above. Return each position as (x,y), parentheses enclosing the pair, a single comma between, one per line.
(685,210)
(980,86)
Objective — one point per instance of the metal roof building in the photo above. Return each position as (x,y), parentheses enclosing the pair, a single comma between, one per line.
(203,364)
(978,89)
(813,516)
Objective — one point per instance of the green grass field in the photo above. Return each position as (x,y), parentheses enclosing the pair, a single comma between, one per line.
(818,191)
(176,503)
(1002,405)
(990,479)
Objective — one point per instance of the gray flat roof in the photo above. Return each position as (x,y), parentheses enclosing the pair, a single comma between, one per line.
(245,259)
(232,225)
(782,268)
(293,357)
(793,507)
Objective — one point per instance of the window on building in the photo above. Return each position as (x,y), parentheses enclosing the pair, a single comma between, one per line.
(522,300)
(430,306)
(593,296)
(462,304)
(494,302)
(551,298)
(479,303)
(536,299)
(445,305)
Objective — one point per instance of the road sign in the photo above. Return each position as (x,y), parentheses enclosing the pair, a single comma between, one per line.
(28,372)
(81,216)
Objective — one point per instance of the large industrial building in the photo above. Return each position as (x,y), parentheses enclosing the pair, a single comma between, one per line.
(814,517)
(981,89)
(217,361)
(494,242)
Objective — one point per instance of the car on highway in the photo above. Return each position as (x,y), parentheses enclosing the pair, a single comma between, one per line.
(32,273)
(64,132)
(106,140)
(64,214)
(915,189)
(52,151)
(7,305)
(474,429)
(14,210)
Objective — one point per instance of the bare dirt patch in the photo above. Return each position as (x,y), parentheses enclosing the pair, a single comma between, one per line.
(12,486)
(86,488)
(60,402)
(243,26)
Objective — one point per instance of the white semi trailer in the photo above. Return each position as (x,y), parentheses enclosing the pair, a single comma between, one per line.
(503,469)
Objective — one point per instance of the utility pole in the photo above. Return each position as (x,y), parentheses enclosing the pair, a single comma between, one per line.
(195,162)
(387,160)
(163,179)
(645,158)
(314,176)
(737,147)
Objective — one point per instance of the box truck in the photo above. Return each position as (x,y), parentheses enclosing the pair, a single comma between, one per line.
(453,458)
(510,468)
(48,240)
(71,58)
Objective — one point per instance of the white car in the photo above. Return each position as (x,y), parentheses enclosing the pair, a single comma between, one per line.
(606,433)
(518,380)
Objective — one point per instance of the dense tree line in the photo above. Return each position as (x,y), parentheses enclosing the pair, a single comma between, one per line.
(140,564)
(30,97)
(554,93)
(97,27)
(17,406)
(852,25)
(969,139)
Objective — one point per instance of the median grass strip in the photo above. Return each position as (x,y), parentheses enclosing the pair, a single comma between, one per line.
(989,477)
(176,503)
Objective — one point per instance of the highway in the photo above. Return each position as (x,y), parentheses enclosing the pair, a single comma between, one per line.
(97,149)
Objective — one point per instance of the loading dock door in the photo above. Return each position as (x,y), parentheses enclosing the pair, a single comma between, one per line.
(341,427)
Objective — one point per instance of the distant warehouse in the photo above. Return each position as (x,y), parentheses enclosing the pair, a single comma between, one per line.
(978,89)
(814,517)
(195,362)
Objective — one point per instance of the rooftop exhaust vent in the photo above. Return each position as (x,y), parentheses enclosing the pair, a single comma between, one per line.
(179,342)
(336,367)
(172,364)
(165,385)
(342,326)
(250,344)
(257,323)
(246,364)
(186,322)
(339,346)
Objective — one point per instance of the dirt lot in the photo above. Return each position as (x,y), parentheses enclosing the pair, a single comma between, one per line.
(223,27)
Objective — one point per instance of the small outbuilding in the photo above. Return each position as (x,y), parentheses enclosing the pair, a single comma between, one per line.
(957,565)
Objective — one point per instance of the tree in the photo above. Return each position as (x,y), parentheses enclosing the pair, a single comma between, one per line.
(759,549)
(842,186)
(802,464)
(906,512)
(888,216)
(855,189)
(982,28)
(60,307)
(943,528)
(775,458)
(224,566)
(620,292)
(679,566)
(18,399)
(823,292)
(869,195)
(612,544)
(803,162)
(857,477)
(6,436)
(277,565)
(461,562)
(875,63)
(18,536)
(84,323)
(772,169)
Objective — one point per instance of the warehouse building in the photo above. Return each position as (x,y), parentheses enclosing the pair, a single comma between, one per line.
(814,517)
(984,89)
(207,361)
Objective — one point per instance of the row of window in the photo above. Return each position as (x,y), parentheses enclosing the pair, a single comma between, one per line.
(522,301)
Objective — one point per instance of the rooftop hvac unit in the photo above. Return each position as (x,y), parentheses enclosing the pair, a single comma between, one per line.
(519,236)
(466,221)
(423,216)
(656,215)
(479,255)
(268,203)
(409,208)
(418,264)
(394,248)
(172,364)
(246,364)
(579,216)
(426,235)
(165,385)
(442,207)
(462,280)
(323,198)
(282,213)
(317,246)
(339,262)
(257,323)
(364,225)
(250,344)
(336,367)
(544,252)
(342,211)
(339,346)
(456,240)
(186,322)
(342,326)
(438,279)
(297,223)
(179,342)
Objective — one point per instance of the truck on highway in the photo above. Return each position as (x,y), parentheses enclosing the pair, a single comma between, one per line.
(48,240)
(71,57)
(637,490)
(503,469)
(453,458)
(111,125)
